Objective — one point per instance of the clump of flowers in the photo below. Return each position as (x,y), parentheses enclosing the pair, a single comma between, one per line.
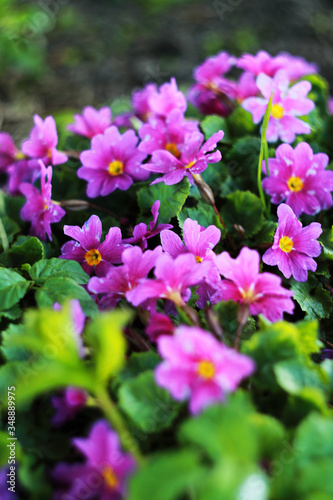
(91,122)
(199,368)
(299,177)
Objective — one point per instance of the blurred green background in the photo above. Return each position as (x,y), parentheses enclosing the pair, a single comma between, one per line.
(57,56)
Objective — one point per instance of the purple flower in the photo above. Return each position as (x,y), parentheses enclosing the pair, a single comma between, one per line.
(113,162)
(67,405)
(288,103)
(43,141)
(299,177)
(294,245)
(91,122)
(174,277)
(295,67)
(141,234)
(6,494)
(330,105)
(262,292)
(212,91)
(198,241)
(246,86)
(140,101)
(193,159)
(121,281)
(198,367)
(168,134)
(39,209)
(87,248)
(326,354)
(105,471)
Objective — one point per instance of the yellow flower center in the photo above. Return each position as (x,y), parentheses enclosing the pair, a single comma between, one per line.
(93,257)
(295,184)
(19,156)
(190,164)
(248,295)
(172,148)
(175,297)
(277,111)
(198,259)
(286,244)
(116,167)
(206,369)
(110,477)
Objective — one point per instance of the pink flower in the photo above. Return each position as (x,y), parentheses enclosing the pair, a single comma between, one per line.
(9,153)
(294,245)
(105,471)
(288,103)
(166,99)
(174,277)
(91,122)
(193,159)
(122,281)
(262,292)
(39,208)
(140,101)
(299,177)
(140,232)
(89,251)
(168,134)
(113,162)
(330,105)
(67,405)
(212,91)
(198,241)
(159,324)
(198,367)
(295,67)
(246,86)
(43,141)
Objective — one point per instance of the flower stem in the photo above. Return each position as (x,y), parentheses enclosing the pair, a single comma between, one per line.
(114,416)
(3,236)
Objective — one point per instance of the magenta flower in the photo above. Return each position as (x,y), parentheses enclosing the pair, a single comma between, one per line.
(198,241)
(39,209)
(212,91)
(288,103)
(67,405)
(9,153)
(43,141)
(299,177)
(87,248)
(159,324)
(295,67)
(141,101)
(91,122)
(193,159)
(294,245)
(262,292)
(113,162)
(168,134)
(330,105)
(141,233)
(174,277)
(246,86)
(198,367)
(105,471)
(166,99)
(121,281)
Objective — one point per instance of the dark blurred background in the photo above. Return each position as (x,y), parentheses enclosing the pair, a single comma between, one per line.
(56,56)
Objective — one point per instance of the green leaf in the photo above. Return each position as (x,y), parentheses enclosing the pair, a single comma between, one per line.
(139,362)
(49,268)
(293,376)
(13,313)
(172,199)
(326,241)
(61,289)
(10,228)
(212,124)
(312,298)
(314,437)
(202,213)
(149,406)
(167,477)
(25,250)
(106,338)
(245,209)
(240,123)
(12,288)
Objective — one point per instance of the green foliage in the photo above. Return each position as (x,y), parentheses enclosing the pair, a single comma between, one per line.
(12,288)
(313,299)
(147,405)
(245,209)
(212,124)
(172,199)
(59,268)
